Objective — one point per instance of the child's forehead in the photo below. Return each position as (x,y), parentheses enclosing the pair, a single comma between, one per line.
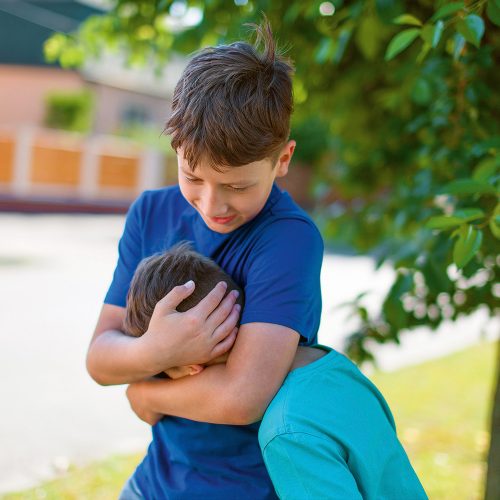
(204,169)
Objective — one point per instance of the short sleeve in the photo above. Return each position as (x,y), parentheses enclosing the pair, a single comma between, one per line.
(283,277)
(129,255)
(303,466)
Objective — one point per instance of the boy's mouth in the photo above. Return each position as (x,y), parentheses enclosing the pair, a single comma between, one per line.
(222,220)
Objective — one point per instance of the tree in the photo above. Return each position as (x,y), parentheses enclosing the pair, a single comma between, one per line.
(409,94)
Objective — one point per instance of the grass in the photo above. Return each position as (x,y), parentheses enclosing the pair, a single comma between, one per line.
(441,410)
(98,481)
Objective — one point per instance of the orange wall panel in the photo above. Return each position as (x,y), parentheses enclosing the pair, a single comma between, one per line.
(51,165)
(6,159)
(118,171)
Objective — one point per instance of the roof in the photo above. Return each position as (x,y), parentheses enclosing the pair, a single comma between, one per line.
(26,24)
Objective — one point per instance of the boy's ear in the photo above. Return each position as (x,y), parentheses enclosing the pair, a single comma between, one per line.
(284,158)
(195,369)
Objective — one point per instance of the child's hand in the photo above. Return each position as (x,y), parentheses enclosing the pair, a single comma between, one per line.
(138,402)
(197,336)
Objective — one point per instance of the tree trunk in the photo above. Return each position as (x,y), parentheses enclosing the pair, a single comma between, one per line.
(493,474)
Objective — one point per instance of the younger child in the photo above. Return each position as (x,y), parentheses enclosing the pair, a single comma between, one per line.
(328,432)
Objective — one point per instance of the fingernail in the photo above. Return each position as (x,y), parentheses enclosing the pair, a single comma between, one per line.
(237,307)
(235,293)
(189,284)
(224,284)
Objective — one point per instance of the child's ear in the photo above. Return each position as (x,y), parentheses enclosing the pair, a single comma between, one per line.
(195,369)
(285,157)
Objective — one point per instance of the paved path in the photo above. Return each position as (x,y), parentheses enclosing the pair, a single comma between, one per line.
(54,271)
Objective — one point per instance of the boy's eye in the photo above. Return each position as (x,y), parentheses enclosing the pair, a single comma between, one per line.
(190,179)
(237,189)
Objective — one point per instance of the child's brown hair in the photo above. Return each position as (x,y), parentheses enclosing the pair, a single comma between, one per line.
(232,104)
(157,275)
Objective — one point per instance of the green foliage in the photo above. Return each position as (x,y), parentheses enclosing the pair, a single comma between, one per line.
(312,136)
(69,110)
(400,42)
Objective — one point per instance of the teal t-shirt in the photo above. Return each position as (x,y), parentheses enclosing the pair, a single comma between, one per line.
(329,433)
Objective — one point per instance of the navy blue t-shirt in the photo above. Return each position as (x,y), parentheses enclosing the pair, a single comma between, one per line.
(276,258)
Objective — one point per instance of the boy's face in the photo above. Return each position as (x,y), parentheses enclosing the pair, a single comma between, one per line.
(227,200)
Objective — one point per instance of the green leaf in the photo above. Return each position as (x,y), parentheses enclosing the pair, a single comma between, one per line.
(400,42)
(447,10)
(495,222)
(421,92)
(486,169)
(472,29)
(54,46)
(407,19)
(427,33)
(325,50)
(370,36)
(467,245)
(438,31)
(342,41)
(392,307)
(468,186)
(423,52)
(469,214)
(443,222)
(493,12)
(459,217)
(459,44)
(435,274)
(431,33)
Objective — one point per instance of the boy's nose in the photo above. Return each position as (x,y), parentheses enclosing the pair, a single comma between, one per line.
(212,205)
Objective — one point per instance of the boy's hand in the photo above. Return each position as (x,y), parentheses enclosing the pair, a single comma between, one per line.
(138,402)
(197,336)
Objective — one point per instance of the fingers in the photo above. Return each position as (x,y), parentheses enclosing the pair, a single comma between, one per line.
(222,311)
(207,305)
(226,344)
(227,326)
(175,297)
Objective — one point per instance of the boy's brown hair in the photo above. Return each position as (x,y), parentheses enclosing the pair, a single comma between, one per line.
(157,275)
(232,104)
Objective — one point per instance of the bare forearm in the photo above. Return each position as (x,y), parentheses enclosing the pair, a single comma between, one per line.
(237,392)
(115,358)
(213,396)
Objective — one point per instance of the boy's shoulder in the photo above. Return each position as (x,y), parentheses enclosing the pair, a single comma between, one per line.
(333,386)
(285,219)
(160,201)
(168,194)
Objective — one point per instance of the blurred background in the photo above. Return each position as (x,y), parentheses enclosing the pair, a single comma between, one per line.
(397,128)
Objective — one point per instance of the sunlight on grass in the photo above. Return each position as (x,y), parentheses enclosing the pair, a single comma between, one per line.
(98,481)
(441,410)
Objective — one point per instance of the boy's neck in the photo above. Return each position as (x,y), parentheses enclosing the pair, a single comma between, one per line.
(306,355)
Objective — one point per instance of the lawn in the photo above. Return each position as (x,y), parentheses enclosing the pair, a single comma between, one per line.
(441,409)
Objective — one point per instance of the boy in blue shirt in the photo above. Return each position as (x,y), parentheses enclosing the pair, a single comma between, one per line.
(328,432)
(230,128)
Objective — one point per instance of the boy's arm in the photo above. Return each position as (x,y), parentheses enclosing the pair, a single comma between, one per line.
(237,392)
(281,303)
(172,339)
(308,467)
